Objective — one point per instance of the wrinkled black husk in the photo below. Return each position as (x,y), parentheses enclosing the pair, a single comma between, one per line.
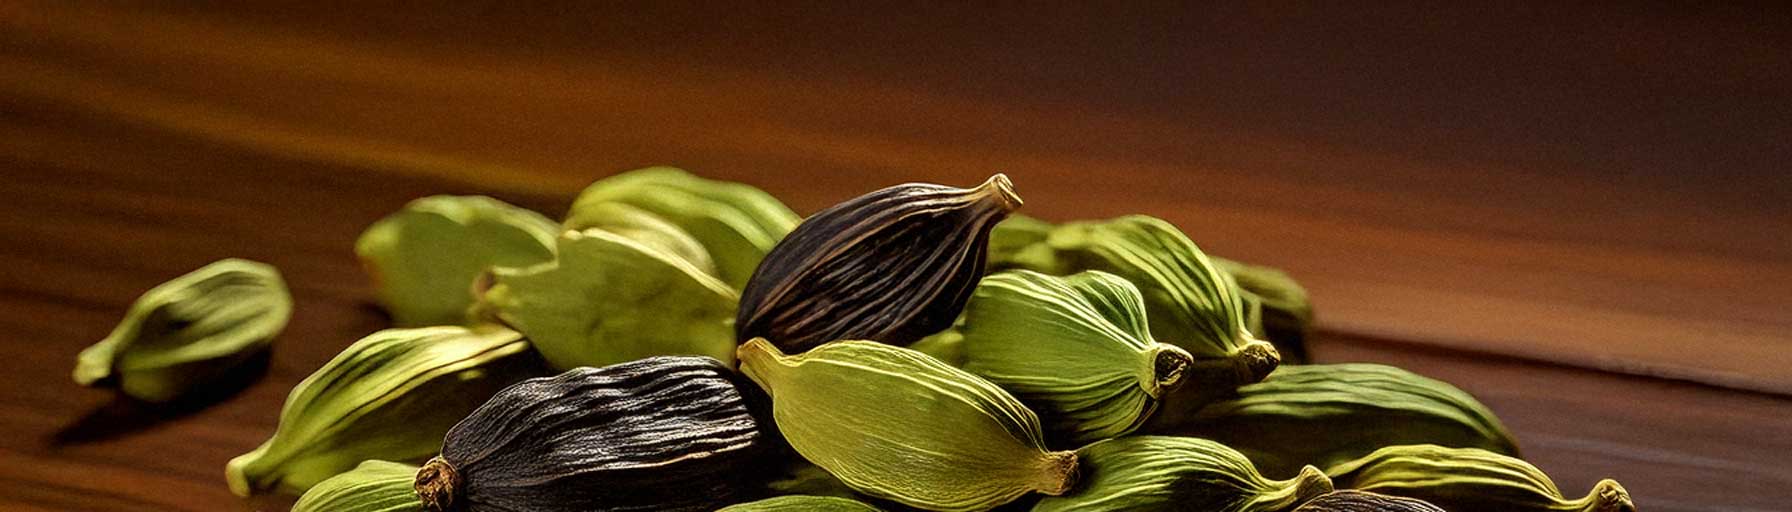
(1359,501)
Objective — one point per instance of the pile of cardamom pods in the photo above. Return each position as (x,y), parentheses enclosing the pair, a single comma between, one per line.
(683,344)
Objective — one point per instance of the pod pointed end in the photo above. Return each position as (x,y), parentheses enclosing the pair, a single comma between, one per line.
(1002,189)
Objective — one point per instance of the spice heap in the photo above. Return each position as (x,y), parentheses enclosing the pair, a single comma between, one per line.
(683,344)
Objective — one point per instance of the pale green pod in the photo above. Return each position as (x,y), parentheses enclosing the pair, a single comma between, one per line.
(425,258)
(802,504)
(1471,480)
(1019,242)
(1075,348)
(373,486)
(390,396)
(647,228)
(190,331)
(946,346)
(607,299)
(1151,473)
(1327,414)
(1275,305)
(897,424)
(737,223)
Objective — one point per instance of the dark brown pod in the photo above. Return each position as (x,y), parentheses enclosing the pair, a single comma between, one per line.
(1359,501)
(891,266)
(662,433)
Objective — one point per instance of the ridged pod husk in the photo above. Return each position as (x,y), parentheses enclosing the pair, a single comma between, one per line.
(802,504)
(890,266)
(189,331)
(1190,301)
(1075,348)
(373,486)
(735,223)
(607,299)
(425,258)
(1346,500)
(1471,480)
(1275,305)
(648,229)
(897,424)
(1331,413)
(389,396)
(666,433)
(1153,473)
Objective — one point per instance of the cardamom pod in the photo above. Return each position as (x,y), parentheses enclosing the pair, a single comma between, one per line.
(1345,500)
(897,424)
(736,223)
(373,486)
(890,266)
(607,299)
(1471,480)
(389,396)
(667,433)
(1275,305)
(1075,348)
(425,258)
(1019,242)
(648,229)
(189,331)
(1331,413)
(946,346)
(1153,473)
(802,504)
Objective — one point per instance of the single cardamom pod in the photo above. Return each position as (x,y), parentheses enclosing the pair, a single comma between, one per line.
(648,229)
(189,331)
(373,486)
(1345,500)
(1019,242)
(736,223)
(802,504)
(890,266)
(607,299)
(1275,305)
(667,433)
(389,396)
(897,424)
(1471,480)
(1075,348)
(1331,413)
(1152,473)
(425,258)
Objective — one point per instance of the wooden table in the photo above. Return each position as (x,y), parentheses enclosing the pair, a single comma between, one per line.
(1578,214)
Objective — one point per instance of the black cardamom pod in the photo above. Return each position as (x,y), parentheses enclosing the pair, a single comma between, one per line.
(1345,500)
(663,433)
(892,266)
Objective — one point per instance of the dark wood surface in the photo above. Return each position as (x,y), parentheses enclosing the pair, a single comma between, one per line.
(1551,207)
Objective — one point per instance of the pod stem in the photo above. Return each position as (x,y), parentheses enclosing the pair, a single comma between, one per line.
(1291,493)
(1255,360)
(438,485)
(1061,473)
(1169,364)
(1002,189)
(1608,496)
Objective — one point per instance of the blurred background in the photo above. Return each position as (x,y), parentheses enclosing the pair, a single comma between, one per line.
(1579,213)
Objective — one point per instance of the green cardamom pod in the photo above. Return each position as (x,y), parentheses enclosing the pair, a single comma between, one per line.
(648,229)
(897,424)
(1076,348)
(1275,305)
(425,258)
(607,299)
(736,223)
(189,331)
(802,504)
(1471,480)
(1327,414)
(946,346)
(1019,242)
(373,486)
(389,396)
(1152,473)
(892,266)
(1345,500)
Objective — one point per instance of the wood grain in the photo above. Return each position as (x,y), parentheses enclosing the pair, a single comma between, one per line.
(1494,197)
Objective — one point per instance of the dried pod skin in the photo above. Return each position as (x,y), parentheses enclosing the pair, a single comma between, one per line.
(607,299)
(1358,501)
(648,229)
(1275,306)
(190,331)
(373,486)
(1332,413)
(735,223)
(897,424)
(1076,349)
(890,266)
(389,396)
(425,258)
(1152,473)
(802,504)
(1471,480)
(663,433)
